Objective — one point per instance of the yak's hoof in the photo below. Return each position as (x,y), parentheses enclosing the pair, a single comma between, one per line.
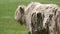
(29,32)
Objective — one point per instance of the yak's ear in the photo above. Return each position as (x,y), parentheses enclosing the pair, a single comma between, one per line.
(21,9)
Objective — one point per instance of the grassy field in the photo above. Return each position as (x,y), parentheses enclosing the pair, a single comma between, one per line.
(7,8)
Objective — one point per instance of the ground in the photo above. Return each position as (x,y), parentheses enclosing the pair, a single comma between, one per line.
(7,8)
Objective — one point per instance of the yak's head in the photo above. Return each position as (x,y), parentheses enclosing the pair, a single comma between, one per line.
(20,14)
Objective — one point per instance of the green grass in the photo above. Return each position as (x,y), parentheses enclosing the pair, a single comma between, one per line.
(7,8)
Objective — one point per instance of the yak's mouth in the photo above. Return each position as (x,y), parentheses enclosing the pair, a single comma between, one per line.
(20,21)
